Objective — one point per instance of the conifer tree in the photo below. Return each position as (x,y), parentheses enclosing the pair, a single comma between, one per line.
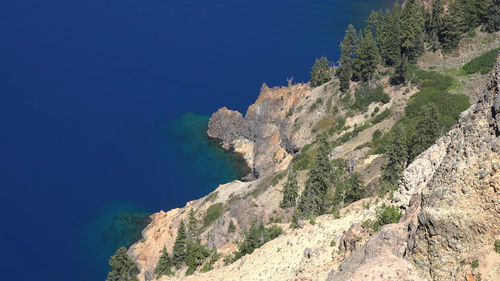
(313,200)
(321,72)
(231,228)
(391,47)
(426,131)
(354,188)
(290,191)
(366,59)
(123,267)
(196,253)
(413,20)
(193,228)
(348,48)
(436,21)
(493,16)
(165,263)
(397,155)
(179,249)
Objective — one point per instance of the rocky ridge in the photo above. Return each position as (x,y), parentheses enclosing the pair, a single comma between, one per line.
(397,252)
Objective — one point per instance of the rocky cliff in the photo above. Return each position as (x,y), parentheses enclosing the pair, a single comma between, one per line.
(265,135)
(452,197)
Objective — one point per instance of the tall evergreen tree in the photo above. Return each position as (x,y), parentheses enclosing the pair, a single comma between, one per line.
(164,265)
(366,59)
(436,22)
(290,191)
(313,200)
(426,131)
(321,72)
(397,155)
(391,47)
(348,49)
(179,250)
(355,188)
(123,267)
(193,232)
(493,16)
(413,17)
(196,253)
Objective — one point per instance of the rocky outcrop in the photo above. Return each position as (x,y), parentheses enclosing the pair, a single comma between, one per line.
(451,194)
(265,136)
(382,257)
(460,212)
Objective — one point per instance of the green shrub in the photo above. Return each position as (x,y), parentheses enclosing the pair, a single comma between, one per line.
(302,161)
(255,237)
(482,64)
(474,263)
(386,215)
(376,135)
(228,259)
(383,115)
(315,105)
(212,214)
(364,96)
(497,246)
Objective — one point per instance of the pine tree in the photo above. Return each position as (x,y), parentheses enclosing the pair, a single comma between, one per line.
(164,265)
(179,250)
(290,191)
(313,200)
(196,253)
(366,59)
(231,228)
(193,232)
(123,267)
(348,48)
(321,72)
(451,33)
(397,155)
(391,47)
(400,71)
(355,188)
(426,132)
(436,21)
(493,16)
(413,18)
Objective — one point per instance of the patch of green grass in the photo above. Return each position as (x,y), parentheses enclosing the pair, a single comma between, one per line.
(213,213)
(482,64)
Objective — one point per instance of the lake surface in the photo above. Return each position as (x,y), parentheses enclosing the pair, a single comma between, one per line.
(104,107)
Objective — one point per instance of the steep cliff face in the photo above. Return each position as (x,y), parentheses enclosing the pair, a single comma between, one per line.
(265,136)
(460,210)
(452,197)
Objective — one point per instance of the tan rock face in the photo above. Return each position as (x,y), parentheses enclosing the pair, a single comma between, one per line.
(459,212)
(451,198)
(265,136)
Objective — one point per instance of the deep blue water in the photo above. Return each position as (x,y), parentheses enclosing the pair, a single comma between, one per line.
(94,112)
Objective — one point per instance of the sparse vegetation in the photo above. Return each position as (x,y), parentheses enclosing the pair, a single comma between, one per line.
(255,237)
(497,246)
(364,96)
(482,64)
(212,214)
(386,215)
